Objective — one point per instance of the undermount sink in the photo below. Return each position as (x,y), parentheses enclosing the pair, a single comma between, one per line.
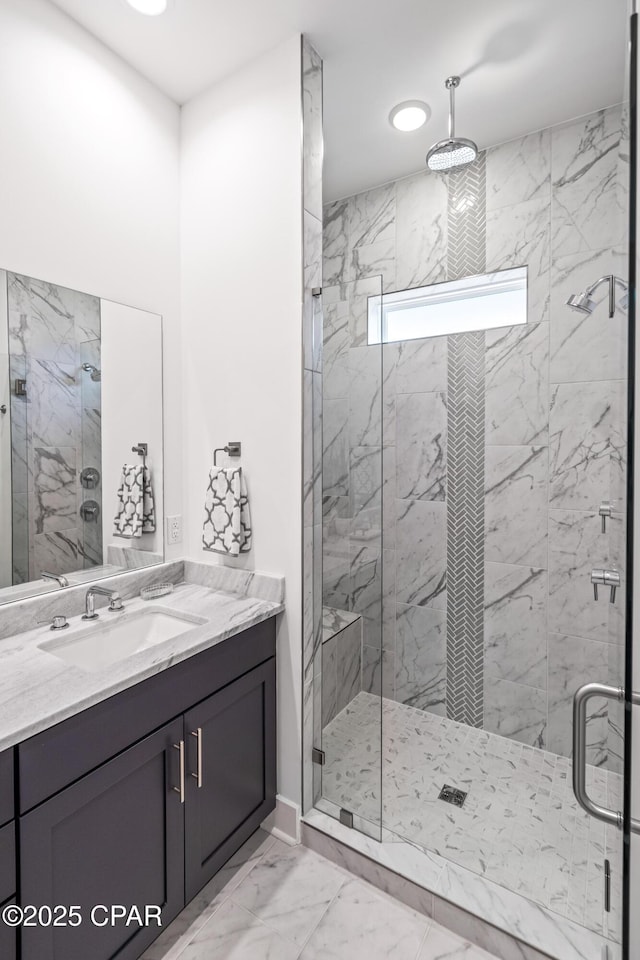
(93,646)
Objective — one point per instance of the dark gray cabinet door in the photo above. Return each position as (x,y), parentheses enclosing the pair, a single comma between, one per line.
(114,837)
(237,772)
(8,938)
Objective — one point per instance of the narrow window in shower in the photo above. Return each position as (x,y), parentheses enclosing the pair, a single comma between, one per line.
(460,306)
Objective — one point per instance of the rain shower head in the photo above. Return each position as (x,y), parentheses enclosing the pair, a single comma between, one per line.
(583,302)
(454,151)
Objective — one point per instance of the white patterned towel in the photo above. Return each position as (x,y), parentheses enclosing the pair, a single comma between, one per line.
(227,522)
(136,512)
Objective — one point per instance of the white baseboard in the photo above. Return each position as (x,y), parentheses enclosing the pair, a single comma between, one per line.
(284,822)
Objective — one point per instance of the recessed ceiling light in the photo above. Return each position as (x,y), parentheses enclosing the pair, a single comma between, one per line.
(409,115)
(152,8)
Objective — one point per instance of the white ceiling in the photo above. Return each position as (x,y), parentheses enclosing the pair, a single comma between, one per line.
(525,64)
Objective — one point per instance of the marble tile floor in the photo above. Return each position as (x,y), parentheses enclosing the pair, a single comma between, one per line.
(277,902)
(520,825)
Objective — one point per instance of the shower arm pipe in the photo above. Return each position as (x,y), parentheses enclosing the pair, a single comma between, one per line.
(452,83)
(611,280)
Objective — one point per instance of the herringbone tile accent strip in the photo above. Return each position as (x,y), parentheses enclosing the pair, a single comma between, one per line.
(465,467)
(467,216)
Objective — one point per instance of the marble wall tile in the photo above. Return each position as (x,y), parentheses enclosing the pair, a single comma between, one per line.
(574,661)
(516,504)
(312,129)
(519,170)
(421,230)
(365,484)
(515,624)
(56,552)
(421,539)
(515,711)
(585,443)
(41,324)
(54,403)
(421,446)
(576,545)
(307,447)
(586,347)
(86,308)
(329,680)
(420,365)
(348,664)
(517,236)
(377,672)
(365,396)
(377,258)
(366,585)
(421,658)
(586,212)
(19,429)
(312,313)
(337,266)
(336,562)
(90,549)
(389,496)
(53,499)
(372,217)
(335,360)
(615,711)
(517,385)
(335,432)
(308,768)
(358,294)
(20,537)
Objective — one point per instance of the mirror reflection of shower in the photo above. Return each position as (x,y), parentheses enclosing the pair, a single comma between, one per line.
(96,374)
(584,302)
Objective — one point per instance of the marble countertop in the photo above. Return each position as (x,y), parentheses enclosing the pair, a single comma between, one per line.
(38,689)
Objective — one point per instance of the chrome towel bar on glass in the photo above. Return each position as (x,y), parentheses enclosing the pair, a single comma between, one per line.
(580,701)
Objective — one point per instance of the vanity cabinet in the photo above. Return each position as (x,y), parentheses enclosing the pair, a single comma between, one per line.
(114,837)
(8,938)
(155,821)
(231,774)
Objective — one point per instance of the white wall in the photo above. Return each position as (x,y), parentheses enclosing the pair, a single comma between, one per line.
(241,255)
(89,180)
(6,571)
(131,401)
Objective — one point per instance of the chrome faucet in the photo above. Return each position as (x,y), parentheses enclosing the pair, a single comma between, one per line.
(115,601)
(58,577)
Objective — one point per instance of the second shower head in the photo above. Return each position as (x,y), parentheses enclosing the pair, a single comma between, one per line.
(584,302)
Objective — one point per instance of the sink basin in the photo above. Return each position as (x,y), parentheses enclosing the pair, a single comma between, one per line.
(95,645)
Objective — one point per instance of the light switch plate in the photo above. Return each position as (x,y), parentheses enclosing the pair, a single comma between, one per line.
(174,529)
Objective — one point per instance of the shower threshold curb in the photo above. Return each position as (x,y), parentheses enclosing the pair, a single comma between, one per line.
(494,918)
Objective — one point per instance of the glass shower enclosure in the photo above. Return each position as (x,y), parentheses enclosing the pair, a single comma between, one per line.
(474,471)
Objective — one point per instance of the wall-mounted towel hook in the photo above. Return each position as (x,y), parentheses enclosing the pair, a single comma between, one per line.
(142,450)
(231,449)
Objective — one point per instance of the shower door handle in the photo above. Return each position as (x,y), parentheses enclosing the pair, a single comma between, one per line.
(580,701)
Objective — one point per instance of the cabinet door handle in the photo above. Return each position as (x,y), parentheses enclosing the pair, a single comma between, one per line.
(198,774)
(180,789)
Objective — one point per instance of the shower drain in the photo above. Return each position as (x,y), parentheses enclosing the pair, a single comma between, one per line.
(452,795)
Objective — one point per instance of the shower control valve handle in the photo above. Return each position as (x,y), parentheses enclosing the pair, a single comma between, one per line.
(608,578)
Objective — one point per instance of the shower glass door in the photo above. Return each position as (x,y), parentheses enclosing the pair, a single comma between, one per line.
(504,473)
(353,558)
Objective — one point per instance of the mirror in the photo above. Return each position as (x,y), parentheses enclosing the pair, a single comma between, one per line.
(81,490)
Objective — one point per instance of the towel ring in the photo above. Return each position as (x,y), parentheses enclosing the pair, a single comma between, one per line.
(231,449)
(142,450)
